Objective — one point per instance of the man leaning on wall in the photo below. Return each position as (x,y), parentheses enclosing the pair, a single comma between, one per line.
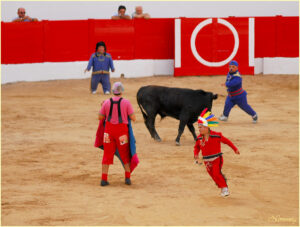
(121,14)
(22,16)
(139,13)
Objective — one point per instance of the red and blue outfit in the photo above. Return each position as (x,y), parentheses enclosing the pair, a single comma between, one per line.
(236,95)
(212,155)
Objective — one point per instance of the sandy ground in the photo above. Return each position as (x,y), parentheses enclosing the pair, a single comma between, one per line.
(51,171)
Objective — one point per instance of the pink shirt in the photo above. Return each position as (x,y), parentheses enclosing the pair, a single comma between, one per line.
(126,110)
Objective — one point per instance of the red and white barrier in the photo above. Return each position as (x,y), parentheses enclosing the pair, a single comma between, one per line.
(49,50)
(206,46)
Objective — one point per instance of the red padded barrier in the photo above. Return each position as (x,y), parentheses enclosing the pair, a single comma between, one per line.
(276,37)
(22,42)
(66,41)
(62,41)
(117,35)
(214,43)
(154,39)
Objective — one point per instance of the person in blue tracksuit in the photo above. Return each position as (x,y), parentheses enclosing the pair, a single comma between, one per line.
(101,63)
(236,94)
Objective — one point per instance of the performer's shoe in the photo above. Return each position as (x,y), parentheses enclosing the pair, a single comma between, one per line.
(94,92)
(255,118)
(223,118)
(107,93)
(104,183)
(224,192)
(127,181)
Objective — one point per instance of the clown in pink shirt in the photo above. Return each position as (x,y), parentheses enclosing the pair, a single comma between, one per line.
(116,111)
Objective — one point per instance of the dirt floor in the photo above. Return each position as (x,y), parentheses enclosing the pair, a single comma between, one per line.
(51,171)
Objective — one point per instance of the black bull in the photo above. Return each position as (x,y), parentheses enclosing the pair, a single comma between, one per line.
(182,104)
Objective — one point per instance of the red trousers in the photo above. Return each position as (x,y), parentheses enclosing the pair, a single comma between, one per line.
(214,169)
(115,136)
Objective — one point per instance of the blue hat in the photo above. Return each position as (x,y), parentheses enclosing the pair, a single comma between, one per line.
(234,63)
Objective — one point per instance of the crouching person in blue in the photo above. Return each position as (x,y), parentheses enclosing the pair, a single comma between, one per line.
(101,63)
(236,94)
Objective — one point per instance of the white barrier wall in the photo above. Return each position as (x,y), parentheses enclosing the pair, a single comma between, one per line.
(281,66)
(276,65)
(134,68)
(75,70)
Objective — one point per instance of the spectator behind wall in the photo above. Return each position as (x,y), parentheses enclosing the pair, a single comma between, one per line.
(22,17)
(121,14)
(139,13)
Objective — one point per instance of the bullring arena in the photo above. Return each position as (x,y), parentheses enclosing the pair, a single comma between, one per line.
(51,170)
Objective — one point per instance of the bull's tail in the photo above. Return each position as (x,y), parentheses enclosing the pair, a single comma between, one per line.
(145,116)
(139,101)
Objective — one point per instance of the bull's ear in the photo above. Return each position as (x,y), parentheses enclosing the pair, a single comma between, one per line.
(214,96)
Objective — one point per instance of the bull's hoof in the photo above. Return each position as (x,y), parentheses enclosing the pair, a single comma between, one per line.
(177,143)
(156,138)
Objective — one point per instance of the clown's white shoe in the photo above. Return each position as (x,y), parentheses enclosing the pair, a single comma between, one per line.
(255,118)
(224,192)
(223,118)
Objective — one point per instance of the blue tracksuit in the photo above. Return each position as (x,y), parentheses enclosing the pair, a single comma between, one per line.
(101,65)
(236,95)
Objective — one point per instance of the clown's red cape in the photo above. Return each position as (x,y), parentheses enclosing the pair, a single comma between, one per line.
(134,161)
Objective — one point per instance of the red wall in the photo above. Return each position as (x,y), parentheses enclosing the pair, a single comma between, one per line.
(276,37)
(22,43)
(63,41)
(214,43)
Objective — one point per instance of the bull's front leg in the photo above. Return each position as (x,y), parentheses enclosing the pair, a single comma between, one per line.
(182,124)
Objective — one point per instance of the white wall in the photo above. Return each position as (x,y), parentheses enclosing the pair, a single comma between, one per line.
(281,66)
(60,10)
(135,68)
(75,70)
(276,65)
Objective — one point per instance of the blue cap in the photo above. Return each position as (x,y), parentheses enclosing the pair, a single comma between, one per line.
(234,63)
